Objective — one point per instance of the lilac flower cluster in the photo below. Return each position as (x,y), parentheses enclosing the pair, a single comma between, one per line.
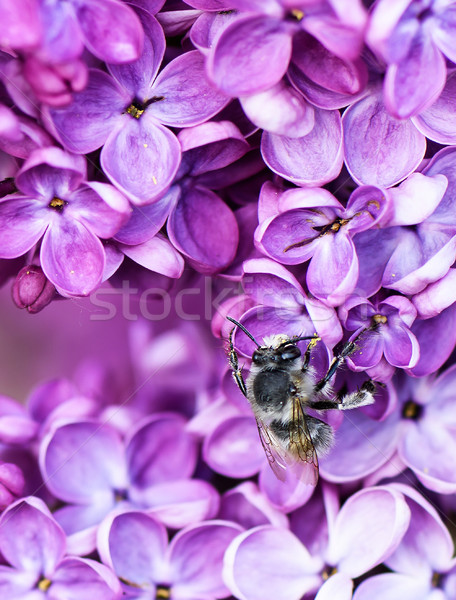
(290,164)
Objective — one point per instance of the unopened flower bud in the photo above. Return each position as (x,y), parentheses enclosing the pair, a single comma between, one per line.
(32,290)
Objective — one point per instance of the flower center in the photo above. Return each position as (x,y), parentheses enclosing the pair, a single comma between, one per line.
(322,230)
(411,410)
(163,592)
(57,204)
(120,495)
(295,15)
(328,572)
(137,108)
(44,584)
(379,320)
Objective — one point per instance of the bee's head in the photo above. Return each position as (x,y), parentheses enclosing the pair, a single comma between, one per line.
(279,349)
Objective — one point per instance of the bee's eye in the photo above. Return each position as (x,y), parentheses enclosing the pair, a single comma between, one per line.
(290,352)
(257,357)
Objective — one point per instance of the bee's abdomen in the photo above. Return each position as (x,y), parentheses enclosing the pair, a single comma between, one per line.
(271,389)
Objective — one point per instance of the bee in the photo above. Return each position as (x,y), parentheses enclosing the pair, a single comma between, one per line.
(281,387)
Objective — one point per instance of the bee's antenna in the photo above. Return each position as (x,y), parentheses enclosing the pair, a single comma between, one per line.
(247,333)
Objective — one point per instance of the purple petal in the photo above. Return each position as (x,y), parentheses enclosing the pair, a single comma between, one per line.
(100,207)
(141,158)
(112,30)
(427,546)
(76,577)
(368,528)
(416,82)
(87,122)
(286,565)
(432,355)
(290,494)
(401,347)
(134,545)
(338,587)
(180,503)
(280,110)
(373,142)
(423,259)
(233,448)
(269,283)
(443,34)
(188,97)
(369,352)
(204,229)
(161,450)
(333,270)
(21,24)
(43,546)
(51,171)
(438,121)
(146,221)
(72,257)
(437,296)
(80,523)
(312,160)
(138,76)
(393,586)
(311,61)
(419,447)
(196,559)
(23,222)
(374,248)
(158,255)
(416,198)
(251,55)
(83,461)
(211,146)
(246,505)
(358,440)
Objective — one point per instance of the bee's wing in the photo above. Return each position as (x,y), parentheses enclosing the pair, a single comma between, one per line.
(301,446)
(275,453)
(300,450)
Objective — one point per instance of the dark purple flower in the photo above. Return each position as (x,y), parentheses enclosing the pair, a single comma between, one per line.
(56,203)
(33,546)
(310,224)
(413,37)
(136,546)
(12,483)
(253,52)
(388,334)
(128,111)
(32,289)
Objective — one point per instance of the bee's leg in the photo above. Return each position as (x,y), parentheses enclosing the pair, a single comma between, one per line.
(310,346)
(362,397)
(321,434)
(348,348)
(234,364)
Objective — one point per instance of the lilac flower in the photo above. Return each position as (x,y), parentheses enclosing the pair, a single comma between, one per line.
(422,565)
(413,37)
(12,483)
(366,530)
(129,109)
(388,332)
(33,546)
(136,547)
(424,232)
(312,224)
(89,466)
(32,290)
(52,66)
(56,201)
(253,52)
